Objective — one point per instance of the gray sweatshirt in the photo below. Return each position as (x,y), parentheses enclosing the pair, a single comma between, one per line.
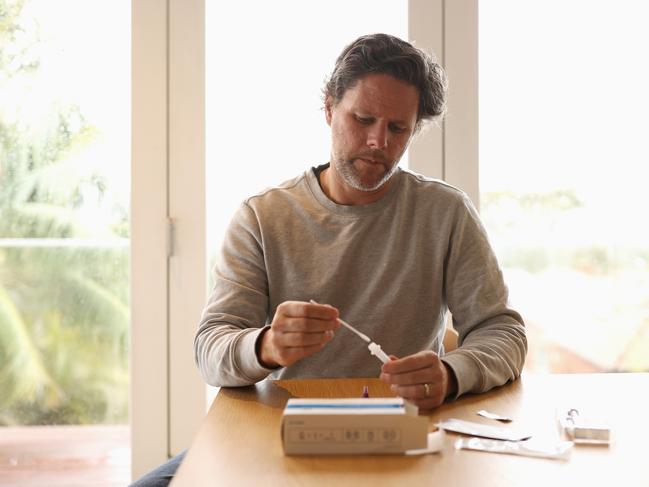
(393,268)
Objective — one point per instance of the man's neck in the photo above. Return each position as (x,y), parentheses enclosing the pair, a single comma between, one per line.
(338,191)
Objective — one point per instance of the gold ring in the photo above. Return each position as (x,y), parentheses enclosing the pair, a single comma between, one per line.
(426,390)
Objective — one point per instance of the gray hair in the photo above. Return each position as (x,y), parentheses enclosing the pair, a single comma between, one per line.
(386,54)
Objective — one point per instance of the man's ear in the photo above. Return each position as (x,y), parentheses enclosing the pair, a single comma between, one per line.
(328,108)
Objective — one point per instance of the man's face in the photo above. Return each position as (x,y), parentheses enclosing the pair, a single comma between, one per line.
(371,127)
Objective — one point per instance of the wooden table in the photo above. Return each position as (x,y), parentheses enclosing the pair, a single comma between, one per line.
(239,441)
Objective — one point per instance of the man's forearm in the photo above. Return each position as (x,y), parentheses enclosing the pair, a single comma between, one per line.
(226,356)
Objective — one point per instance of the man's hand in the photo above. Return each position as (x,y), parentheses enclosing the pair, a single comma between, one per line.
(421,378)
(298,330)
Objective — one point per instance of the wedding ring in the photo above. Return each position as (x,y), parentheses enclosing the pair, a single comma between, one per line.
(426,390)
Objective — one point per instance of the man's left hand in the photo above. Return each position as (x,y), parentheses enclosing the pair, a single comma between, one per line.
(421,378)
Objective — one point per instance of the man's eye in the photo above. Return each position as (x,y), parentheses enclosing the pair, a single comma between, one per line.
(364,120)
(397,130)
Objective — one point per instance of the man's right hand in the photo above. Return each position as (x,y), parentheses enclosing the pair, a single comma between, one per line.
(299,329)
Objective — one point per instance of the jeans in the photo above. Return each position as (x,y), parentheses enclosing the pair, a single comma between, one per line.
(162,475)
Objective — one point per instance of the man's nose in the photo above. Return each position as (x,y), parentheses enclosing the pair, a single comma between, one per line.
(377,136)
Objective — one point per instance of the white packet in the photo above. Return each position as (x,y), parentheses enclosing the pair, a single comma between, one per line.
(483,430)
(435,444)
(531,448)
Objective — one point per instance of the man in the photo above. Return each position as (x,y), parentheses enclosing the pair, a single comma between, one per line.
(390,251)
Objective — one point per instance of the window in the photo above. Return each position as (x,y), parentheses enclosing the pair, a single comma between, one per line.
(563,106)
(64,214)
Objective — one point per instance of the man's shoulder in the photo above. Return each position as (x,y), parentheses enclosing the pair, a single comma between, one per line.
(423,186)
(291,189)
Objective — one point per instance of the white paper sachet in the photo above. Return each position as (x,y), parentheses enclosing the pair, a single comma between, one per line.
(531,448)
(483,430)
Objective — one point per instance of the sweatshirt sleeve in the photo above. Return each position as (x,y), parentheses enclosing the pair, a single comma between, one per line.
(492,340)
(236,310)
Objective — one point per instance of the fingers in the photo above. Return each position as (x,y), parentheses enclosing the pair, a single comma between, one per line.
(423,398)
(298,316)
(289,355)
(298,330)
(302,339)
(421,378)
(300,324)
(411,363)
(306,324)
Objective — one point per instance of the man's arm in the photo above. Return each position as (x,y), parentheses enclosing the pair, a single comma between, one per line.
(492,337)
(232,346)
(236,311)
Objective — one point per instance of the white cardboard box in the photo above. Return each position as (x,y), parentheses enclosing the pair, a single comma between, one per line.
(352,426)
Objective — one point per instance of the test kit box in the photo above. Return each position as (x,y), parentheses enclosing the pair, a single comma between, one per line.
(352,426)
(583,429)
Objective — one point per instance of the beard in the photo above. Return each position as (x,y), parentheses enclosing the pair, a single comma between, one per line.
(354,178)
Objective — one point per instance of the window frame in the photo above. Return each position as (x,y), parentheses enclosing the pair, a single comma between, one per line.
(149,179)
(167,227)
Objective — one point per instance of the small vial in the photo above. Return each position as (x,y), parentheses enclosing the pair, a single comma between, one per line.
(366,392)
(375,349)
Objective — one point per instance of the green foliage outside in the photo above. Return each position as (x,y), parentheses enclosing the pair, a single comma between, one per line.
(64,311)
(539,231)
(562,256)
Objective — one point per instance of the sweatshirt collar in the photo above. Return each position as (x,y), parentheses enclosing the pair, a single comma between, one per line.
(350,210)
